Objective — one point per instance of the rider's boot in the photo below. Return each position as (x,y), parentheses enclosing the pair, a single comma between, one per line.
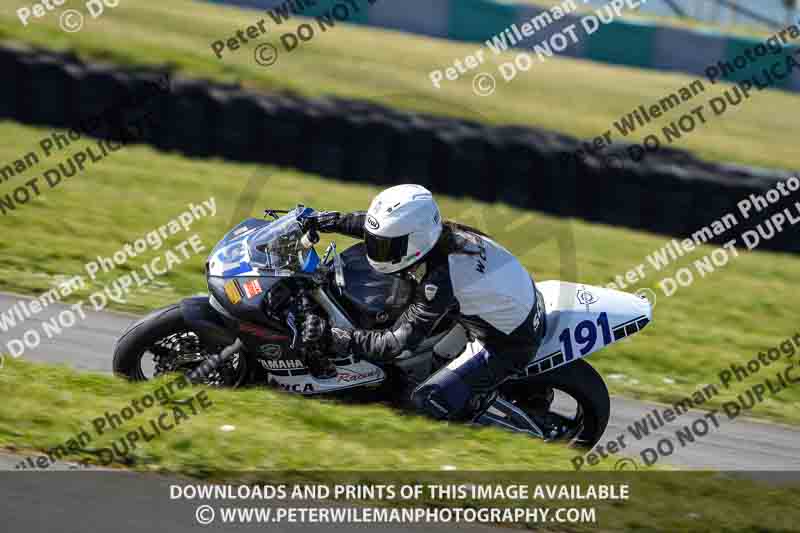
(321,366)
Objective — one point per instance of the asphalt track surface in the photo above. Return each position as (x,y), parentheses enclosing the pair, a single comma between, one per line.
(735,445)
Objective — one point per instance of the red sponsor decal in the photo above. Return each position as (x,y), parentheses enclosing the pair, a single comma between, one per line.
(262,332)
(252,288)
(348,376)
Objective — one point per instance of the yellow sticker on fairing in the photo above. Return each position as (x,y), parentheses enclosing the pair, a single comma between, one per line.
(232,290)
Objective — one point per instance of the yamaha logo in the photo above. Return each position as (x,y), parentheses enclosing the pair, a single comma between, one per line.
(283,364)
(372,222)
(270,351)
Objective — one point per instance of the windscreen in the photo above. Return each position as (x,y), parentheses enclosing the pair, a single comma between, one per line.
(276,247)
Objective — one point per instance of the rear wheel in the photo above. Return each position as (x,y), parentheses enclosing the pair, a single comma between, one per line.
(162,343)
(569,404)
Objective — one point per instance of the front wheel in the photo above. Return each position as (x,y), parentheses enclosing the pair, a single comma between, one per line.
(162,343)
(569,404)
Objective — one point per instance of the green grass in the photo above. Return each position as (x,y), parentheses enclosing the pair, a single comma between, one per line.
(576,97)
(727,317)
(53,403)
(280,438)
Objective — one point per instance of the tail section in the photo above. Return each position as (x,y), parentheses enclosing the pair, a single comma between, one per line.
(582,319)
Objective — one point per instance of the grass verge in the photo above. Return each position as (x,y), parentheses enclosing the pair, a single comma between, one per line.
(576,97)
(279,438)
(53,404)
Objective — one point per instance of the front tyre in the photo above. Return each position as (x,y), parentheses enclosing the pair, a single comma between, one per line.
(161,343)
(570,403)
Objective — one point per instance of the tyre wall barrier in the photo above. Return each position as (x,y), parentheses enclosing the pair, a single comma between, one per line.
(669,192)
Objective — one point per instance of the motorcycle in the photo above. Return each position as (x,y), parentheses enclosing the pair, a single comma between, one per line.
(265,275)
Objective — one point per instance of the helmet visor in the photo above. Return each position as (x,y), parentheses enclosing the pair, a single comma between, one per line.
(386,249)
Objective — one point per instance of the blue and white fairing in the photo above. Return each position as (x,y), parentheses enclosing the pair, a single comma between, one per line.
(255,248)
(231,256)
(582,319)
(264,252)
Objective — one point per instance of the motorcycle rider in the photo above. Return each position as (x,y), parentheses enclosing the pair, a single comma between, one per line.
(461,274)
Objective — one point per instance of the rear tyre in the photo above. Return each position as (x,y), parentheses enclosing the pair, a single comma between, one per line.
(582,384)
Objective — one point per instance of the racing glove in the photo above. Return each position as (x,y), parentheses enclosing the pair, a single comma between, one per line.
(328,221)
(350,224)
(340,341)
(313,330)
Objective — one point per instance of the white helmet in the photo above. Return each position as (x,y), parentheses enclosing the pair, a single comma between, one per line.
(402,225)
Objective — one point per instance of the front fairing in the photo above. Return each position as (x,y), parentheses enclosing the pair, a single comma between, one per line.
(256,248)
(231,256)
(252,258)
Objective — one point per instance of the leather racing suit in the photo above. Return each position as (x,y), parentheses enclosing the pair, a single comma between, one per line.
(480,285)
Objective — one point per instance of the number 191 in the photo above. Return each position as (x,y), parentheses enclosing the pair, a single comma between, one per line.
(585,336)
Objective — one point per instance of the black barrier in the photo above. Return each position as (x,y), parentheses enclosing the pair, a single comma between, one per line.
(511,157)
(326,147)
(10,97)
(412,156)
(284,127)
(240,130)
(668,191)
(99,89)
(190,118)
(371,139)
